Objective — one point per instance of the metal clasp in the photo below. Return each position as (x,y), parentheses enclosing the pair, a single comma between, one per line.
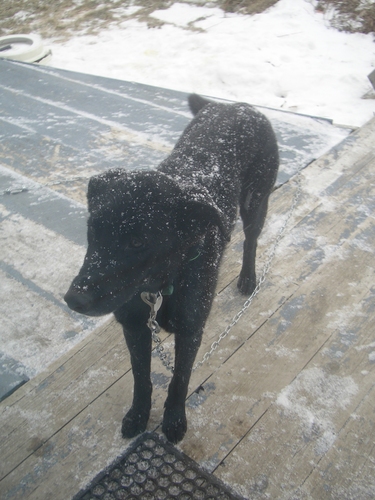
(155,300)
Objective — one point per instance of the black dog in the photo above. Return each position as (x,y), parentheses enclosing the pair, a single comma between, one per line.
(149,231)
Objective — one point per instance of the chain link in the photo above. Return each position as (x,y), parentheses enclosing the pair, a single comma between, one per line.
(160,351)
(262,278)
(155,300)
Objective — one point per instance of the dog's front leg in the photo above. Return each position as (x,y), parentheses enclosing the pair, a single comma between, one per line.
(133,318)
(174,421)
(139,345)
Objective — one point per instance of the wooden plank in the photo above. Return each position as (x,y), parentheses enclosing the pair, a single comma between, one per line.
(303,445)
(348,469)
(272,357)
(44,405)
(70,458)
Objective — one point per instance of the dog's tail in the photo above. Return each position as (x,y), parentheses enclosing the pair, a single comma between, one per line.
(196,103)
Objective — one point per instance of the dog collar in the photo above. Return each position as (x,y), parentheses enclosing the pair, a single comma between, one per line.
(196,251)
(167,290)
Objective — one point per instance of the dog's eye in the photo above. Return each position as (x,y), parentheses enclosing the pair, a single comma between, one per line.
(135,242)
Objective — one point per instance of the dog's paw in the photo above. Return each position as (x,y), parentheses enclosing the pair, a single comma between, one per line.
(133,423)
(246,285)
(174,424)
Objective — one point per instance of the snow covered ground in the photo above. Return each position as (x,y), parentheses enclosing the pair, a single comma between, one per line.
(287,57)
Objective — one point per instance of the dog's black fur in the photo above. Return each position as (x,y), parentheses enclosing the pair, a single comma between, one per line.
(149,230)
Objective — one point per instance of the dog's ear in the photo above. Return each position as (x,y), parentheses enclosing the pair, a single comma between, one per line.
(197,211)
(196,103)
(100,186)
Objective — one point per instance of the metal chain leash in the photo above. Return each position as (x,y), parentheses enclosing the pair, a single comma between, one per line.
(261,280)
(155,300)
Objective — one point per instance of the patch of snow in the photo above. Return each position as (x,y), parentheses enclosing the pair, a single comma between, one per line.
(315,398)
(22,15)
(283,352)
(287,57)
(361,243)
(331,252)
(368,346)
(342,316)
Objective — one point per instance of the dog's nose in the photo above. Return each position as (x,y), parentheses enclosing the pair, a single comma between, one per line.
(77,301)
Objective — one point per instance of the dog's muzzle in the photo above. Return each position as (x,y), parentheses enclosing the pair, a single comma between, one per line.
(82,298)
(78,301)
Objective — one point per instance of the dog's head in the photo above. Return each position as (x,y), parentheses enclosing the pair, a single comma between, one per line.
(140,228)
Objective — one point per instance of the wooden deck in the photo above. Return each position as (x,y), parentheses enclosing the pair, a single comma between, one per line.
(287,409)
(57,128)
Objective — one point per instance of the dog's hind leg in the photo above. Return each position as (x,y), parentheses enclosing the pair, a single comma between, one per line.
(253,211)
(138,339)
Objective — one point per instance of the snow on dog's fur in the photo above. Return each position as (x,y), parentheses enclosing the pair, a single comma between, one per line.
(149,231)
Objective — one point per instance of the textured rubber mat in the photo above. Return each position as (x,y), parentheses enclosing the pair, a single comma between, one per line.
(152,469)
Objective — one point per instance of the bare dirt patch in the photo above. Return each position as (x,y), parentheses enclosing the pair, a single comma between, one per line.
(64,18)
(355,16)
(61,18)
(246,6)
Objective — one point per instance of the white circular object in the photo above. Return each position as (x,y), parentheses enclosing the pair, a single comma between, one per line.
(25,48)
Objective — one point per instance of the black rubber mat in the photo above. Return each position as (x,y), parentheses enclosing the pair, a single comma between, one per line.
(152,469)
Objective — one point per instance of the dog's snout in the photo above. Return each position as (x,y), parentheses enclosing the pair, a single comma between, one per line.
(79,297)
(78,301)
